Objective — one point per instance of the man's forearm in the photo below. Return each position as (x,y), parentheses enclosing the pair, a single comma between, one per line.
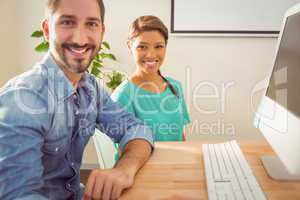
(109,184)
(134,156)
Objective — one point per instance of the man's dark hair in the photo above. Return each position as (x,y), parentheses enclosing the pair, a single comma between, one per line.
(52,6)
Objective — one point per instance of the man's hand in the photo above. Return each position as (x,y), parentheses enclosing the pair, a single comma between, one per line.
(107,184)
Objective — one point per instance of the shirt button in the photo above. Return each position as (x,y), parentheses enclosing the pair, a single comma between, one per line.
(72,164)
(56,149)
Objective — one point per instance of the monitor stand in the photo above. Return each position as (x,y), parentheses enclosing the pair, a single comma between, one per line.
(277,170)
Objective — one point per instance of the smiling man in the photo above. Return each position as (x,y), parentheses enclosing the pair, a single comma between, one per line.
(48,114)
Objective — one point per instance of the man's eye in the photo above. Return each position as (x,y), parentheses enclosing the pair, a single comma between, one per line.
(93,24)
(159,46)
(67,23)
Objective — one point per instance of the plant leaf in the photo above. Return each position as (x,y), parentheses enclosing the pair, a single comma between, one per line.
(37,34)
(108,55)
(95,71)
(115,80)
(98,59)
(43,47)
(117,76)
(97,64)
(106,45)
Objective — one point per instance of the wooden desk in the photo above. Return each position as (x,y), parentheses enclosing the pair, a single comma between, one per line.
(177,169)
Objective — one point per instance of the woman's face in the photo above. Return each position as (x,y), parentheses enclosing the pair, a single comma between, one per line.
(148,50)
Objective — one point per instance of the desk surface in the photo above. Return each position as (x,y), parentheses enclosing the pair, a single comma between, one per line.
(176,168)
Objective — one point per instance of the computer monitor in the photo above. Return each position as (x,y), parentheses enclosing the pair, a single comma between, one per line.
(278,115)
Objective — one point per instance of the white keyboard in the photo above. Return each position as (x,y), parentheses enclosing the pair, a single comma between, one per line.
(228,175)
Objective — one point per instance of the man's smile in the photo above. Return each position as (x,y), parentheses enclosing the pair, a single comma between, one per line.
(76,50)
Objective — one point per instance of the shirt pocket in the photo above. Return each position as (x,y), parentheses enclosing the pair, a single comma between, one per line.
(55,147)
(54,152)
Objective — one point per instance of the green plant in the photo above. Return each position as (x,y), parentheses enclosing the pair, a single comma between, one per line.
(112,79)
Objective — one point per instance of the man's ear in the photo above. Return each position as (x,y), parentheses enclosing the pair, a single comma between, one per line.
(45,28)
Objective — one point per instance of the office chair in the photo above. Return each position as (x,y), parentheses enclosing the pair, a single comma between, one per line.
(107,151)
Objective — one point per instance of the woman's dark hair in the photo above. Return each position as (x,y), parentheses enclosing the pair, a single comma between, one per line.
(173,90)
(151,23)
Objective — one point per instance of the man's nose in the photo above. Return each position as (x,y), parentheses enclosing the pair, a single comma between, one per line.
(80,36)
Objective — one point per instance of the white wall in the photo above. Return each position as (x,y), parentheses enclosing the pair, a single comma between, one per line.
(242,62)
(18,20)
(8,40)
(30,14)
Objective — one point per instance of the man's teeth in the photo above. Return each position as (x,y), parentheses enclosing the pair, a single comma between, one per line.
(79,51)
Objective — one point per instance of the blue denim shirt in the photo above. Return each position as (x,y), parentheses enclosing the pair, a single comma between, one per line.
(44,126)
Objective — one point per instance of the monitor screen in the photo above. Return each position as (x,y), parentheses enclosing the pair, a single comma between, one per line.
(284,86)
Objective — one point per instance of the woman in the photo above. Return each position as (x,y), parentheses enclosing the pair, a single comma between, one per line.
(153,98)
